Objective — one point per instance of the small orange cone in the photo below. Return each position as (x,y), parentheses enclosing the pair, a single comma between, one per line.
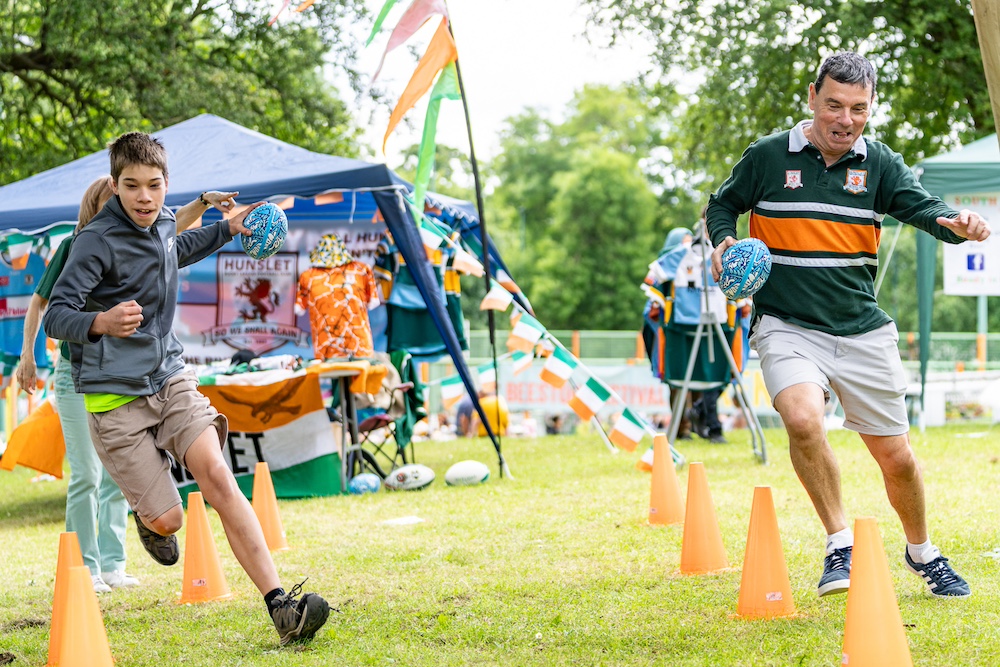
(203,577)
(765,591)
(69,556)
(665,504)
(701,550)
(873,628)
(84,641)
(265,506)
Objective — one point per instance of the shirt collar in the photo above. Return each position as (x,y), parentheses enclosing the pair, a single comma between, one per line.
(797,140)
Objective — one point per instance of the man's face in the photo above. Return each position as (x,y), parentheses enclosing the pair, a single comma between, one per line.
(840,112)
(142,190)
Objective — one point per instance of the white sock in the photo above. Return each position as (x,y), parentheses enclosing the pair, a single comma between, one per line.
(839,540)
(923,553)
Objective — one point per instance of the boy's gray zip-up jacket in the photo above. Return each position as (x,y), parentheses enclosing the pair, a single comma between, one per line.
(113,260)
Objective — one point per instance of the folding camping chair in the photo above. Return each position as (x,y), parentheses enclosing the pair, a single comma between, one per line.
(386,420)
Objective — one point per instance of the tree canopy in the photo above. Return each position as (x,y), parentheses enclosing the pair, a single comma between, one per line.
(75,73)
(745,69)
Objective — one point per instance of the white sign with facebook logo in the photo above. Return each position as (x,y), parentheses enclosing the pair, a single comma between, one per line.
(973,269)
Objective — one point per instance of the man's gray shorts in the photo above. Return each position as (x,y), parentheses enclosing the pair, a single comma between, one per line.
(864,371)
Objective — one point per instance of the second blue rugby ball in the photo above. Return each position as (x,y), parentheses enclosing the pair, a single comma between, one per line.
(746,266)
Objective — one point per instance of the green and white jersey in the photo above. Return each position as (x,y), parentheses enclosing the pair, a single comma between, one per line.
(822,224)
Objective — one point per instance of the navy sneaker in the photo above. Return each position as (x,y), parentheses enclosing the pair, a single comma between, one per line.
(942,581)
(836,572)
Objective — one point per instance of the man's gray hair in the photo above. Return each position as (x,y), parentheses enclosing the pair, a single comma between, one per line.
(847,67)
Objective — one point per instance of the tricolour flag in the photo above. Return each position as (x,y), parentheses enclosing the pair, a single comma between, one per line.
(628,431)
(431,236)
(589,399)
(466,264)
(452,391)
(15,248)
(498,298)
(487,377)
(522,361)
(558,368)
(525,334)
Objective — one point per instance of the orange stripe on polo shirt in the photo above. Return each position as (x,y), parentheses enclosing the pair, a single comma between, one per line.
(812,235)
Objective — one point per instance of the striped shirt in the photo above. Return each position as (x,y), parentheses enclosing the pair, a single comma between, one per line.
(822,225)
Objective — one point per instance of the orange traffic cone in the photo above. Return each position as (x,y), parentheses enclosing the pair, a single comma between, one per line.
(765,591)
(265,506)
(873,629)
(203,577)
(84,641)
(69,556)
(701,549)
(665,504)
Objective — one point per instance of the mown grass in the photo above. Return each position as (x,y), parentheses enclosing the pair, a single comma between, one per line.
(555,567)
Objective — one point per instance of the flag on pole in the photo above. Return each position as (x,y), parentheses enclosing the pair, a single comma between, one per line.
(525,334)
(522,361)
(628,431)
(446,88)
(440,52)
(452,391)
(378,21)
(498,298)
(415,16)
(430,235)
(47,244)
(558,368)
(487,377)
(589,399)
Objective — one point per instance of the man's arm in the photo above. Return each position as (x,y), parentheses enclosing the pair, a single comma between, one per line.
(735,196)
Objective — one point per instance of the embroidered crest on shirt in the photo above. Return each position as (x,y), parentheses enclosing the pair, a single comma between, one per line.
(857,181)
(793,179)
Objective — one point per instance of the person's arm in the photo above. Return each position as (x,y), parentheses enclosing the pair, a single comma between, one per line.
(188,214)
(66,318)
(195,245)
(734,197)
(26,368)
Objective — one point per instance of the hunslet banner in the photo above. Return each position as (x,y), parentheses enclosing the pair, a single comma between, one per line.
(285,425)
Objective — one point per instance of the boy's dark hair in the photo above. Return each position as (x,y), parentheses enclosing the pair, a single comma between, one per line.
(847,67)
(136,148)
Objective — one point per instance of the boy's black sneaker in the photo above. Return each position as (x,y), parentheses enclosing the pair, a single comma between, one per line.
(942,581)
(163,548)
(836,572)
(298,619)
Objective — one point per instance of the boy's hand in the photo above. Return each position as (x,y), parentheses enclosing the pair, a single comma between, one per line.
(236,222)
(223,201)
(969,225)
(120,322)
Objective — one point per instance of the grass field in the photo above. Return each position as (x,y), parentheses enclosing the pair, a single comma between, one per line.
(555,567)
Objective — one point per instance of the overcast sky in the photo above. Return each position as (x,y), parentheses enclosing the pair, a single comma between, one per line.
(514,54)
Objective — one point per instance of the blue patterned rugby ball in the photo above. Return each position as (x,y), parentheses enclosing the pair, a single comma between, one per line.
(366,482)
(745,268)
(269,227)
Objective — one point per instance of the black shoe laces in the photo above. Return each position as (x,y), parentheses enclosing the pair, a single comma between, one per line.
(837,559)
(939,571)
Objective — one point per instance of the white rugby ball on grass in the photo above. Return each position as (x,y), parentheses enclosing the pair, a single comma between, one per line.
(467,473)
(411,477)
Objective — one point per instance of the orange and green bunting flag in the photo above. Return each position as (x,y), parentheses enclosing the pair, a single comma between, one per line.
(440,52)
(446,88)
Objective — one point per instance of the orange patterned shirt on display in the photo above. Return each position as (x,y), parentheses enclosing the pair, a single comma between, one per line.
(338,300)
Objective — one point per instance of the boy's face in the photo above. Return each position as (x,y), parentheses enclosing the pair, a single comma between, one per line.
(142,190)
